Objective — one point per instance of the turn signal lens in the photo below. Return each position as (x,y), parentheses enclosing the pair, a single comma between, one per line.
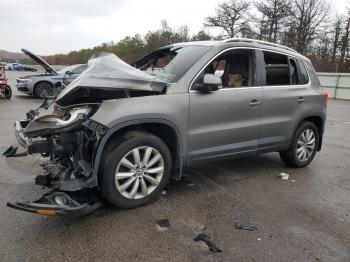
(46,212)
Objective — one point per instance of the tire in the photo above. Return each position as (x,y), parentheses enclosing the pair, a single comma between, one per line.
(43,90)
(116,174)
(8,92)
(303,147)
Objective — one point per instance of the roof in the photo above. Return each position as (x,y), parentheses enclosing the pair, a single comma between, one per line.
(245,41)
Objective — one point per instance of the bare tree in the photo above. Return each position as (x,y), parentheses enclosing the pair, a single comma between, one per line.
(229,16)
(274,14)
(344,50)
(336,38)
(307,19)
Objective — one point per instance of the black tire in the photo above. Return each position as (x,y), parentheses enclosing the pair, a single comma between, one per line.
(289,156)
(115,152)
(43,89)
(8,92)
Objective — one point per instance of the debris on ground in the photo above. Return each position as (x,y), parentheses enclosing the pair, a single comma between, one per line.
(293,181)
(163,224)
(259,239)
(283,176)
(189,185)
(206,239)
(244,227)
(163,193)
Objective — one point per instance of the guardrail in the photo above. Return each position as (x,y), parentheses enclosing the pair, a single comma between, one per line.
(337,84)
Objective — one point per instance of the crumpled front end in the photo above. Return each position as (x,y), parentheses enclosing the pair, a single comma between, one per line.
(67,141)
(63,133)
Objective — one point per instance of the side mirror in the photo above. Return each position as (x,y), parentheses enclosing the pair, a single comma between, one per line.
(68,72)
(211,83)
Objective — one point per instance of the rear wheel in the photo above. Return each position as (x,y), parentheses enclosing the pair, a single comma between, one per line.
(135,169)
(304,146)
(43,90)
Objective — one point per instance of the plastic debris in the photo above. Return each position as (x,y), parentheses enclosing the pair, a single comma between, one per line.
(189,185)
(163,193)
(163,224)
(206,239)
(284,176)
(259,239)
(245,227)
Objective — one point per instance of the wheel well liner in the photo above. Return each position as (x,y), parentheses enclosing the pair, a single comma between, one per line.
(164,129)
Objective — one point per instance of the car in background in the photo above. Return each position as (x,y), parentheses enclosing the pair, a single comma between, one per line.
(29,68)
(49,83)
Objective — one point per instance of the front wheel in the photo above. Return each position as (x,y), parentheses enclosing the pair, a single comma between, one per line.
(304,146)
(135,169)
(43,90)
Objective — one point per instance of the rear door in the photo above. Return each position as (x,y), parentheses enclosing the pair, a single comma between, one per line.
(226,122)
(285,93)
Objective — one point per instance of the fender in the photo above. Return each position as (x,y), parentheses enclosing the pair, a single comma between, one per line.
(117,127)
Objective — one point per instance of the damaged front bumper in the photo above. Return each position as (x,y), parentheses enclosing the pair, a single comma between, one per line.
(62,203)
(68,153)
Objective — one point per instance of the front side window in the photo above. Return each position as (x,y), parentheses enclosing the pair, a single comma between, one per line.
(235,68)
(79,69)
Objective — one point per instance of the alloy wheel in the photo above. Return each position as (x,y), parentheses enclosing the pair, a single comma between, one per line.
(139,172)
(306,145)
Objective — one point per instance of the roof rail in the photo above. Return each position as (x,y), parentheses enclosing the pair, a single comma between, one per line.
(248,40)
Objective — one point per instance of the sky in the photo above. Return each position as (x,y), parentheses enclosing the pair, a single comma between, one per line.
(49,27)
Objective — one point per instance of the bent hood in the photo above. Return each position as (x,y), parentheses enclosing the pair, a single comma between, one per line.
(40,61)
(104,78)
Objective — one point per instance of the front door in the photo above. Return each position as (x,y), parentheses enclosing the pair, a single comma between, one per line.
(226,122)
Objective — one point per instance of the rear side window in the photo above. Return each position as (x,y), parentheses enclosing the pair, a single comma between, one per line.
(277,69)
(304,77)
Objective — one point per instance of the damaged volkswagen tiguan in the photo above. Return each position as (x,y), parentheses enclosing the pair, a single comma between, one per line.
(121,131)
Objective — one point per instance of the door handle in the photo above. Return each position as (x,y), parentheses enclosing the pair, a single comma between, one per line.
(254,102)
(301,99)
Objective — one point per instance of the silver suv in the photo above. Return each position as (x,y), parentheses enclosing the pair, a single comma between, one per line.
(124,131)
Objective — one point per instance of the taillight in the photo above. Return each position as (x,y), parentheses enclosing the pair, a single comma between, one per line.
(325,96)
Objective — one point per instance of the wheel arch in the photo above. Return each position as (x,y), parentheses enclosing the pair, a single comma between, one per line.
(318,121)
(162,128)
(43,81)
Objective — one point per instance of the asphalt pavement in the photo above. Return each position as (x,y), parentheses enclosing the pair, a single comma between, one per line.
(248,212)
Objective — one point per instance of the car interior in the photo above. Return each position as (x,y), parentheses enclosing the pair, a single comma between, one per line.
(235,69)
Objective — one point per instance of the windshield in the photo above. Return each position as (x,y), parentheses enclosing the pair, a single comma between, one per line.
(68,68)
(171,63)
